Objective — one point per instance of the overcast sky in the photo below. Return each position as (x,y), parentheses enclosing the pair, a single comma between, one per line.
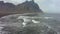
(50,6)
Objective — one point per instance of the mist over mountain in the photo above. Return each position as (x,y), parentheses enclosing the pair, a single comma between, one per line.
(25,7)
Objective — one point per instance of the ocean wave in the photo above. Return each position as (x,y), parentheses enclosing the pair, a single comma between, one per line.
(20,21)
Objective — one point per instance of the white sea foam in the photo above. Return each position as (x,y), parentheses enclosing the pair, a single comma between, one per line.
(48,17)
(34,21)
(24,24)
(1,28)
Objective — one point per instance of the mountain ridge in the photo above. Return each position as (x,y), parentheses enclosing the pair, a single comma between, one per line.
(25,7)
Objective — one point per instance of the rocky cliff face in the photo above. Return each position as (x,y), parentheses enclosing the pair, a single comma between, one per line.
(26,7)
(6,8)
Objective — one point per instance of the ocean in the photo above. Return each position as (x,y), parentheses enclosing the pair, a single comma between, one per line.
(55,21)
(52,20)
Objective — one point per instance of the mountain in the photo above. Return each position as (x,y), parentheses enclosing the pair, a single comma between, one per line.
(6,8)
(25,7)
(28,7)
